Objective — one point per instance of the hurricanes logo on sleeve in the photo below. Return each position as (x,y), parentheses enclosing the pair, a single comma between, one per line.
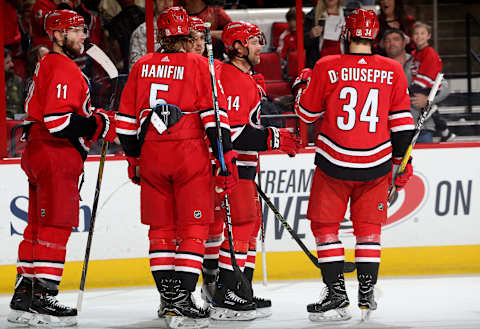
(380,206)
(197,214)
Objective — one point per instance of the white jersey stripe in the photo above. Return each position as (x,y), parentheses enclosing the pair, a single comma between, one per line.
(402,128)
(352,164)
(400,115)
(365,153)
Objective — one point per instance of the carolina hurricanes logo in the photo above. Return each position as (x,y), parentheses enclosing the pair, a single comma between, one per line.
(405,204)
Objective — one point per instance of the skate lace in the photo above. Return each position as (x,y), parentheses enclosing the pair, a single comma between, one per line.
(234,297)
(365,283)
(52,301)
(323,294)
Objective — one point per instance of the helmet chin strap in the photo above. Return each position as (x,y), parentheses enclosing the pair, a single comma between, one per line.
(245,57)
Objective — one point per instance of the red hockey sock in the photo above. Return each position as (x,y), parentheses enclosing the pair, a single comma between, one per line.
(49,252)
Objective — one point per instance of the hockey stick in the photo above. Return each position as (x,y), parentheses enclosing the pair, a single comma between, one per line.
(348,266)
(236,269)
(426,113)
(102,59)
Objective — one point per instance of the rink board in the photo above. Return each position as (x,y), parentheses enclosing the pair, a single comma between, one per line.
(432,226)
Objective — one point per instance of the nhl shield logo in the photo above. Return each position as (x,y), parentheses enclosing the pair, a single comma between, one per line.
(197,214)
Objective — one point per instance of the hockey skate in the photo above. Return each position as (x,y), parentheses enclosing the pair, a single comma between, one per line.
(180,310)
(263,307)
(333,304)
(163,287)
(20,313)
(228,306)
(366,299)
(48,311)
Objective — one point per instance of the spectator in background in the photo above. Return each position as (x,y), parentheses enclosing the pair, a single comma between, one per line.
(11,30)
(138,41)
(33,57)
(288,39)
(316,46)
(426,65)
(40,9)
(13,89)
(393,16)
(213,15)
(395,42)
(25,23)
(92,20)
(121,28)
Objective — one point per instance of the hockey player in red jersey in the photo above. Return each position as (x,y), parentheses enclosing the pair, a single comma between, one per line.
(165,112)
(215,229)
(61,124)
(197,32)
(365,106)
(244,43)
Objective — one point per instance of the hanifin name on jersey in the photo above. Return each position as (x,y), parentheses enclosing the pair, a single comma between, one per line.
(162,71)
(361,74)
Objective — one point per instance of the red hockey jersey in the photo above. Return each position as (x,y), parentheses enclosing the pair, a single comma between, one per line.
(180,79)
(426,65)
(364,100)
(58,90)
(243,106)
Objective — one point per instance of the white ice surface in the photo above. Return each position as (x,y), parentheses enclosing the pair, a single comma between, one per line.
(418,302)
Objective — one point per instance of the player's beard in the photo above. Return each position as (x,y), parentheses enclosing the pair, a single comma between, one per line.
(76,48)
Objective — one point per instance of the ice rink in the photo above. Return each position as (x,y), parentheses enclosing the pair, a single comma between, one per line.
(418,302)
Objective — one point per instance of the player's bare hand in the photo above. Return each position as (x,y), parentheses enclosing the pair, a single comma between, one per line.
(419,101)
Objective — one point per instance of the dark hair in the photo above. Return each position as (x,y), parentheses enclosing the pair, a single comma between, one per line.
(291,14)
(7,52)
(406,21)
(392,31)
(171,44)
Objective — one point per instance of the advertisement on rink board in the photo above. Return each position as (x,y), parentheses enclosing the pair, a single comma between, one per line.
(437,207)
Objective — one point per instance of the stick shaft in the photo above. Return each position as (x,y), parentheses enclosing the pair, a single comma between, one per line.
(236,269)
(418,128)
(92,224)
